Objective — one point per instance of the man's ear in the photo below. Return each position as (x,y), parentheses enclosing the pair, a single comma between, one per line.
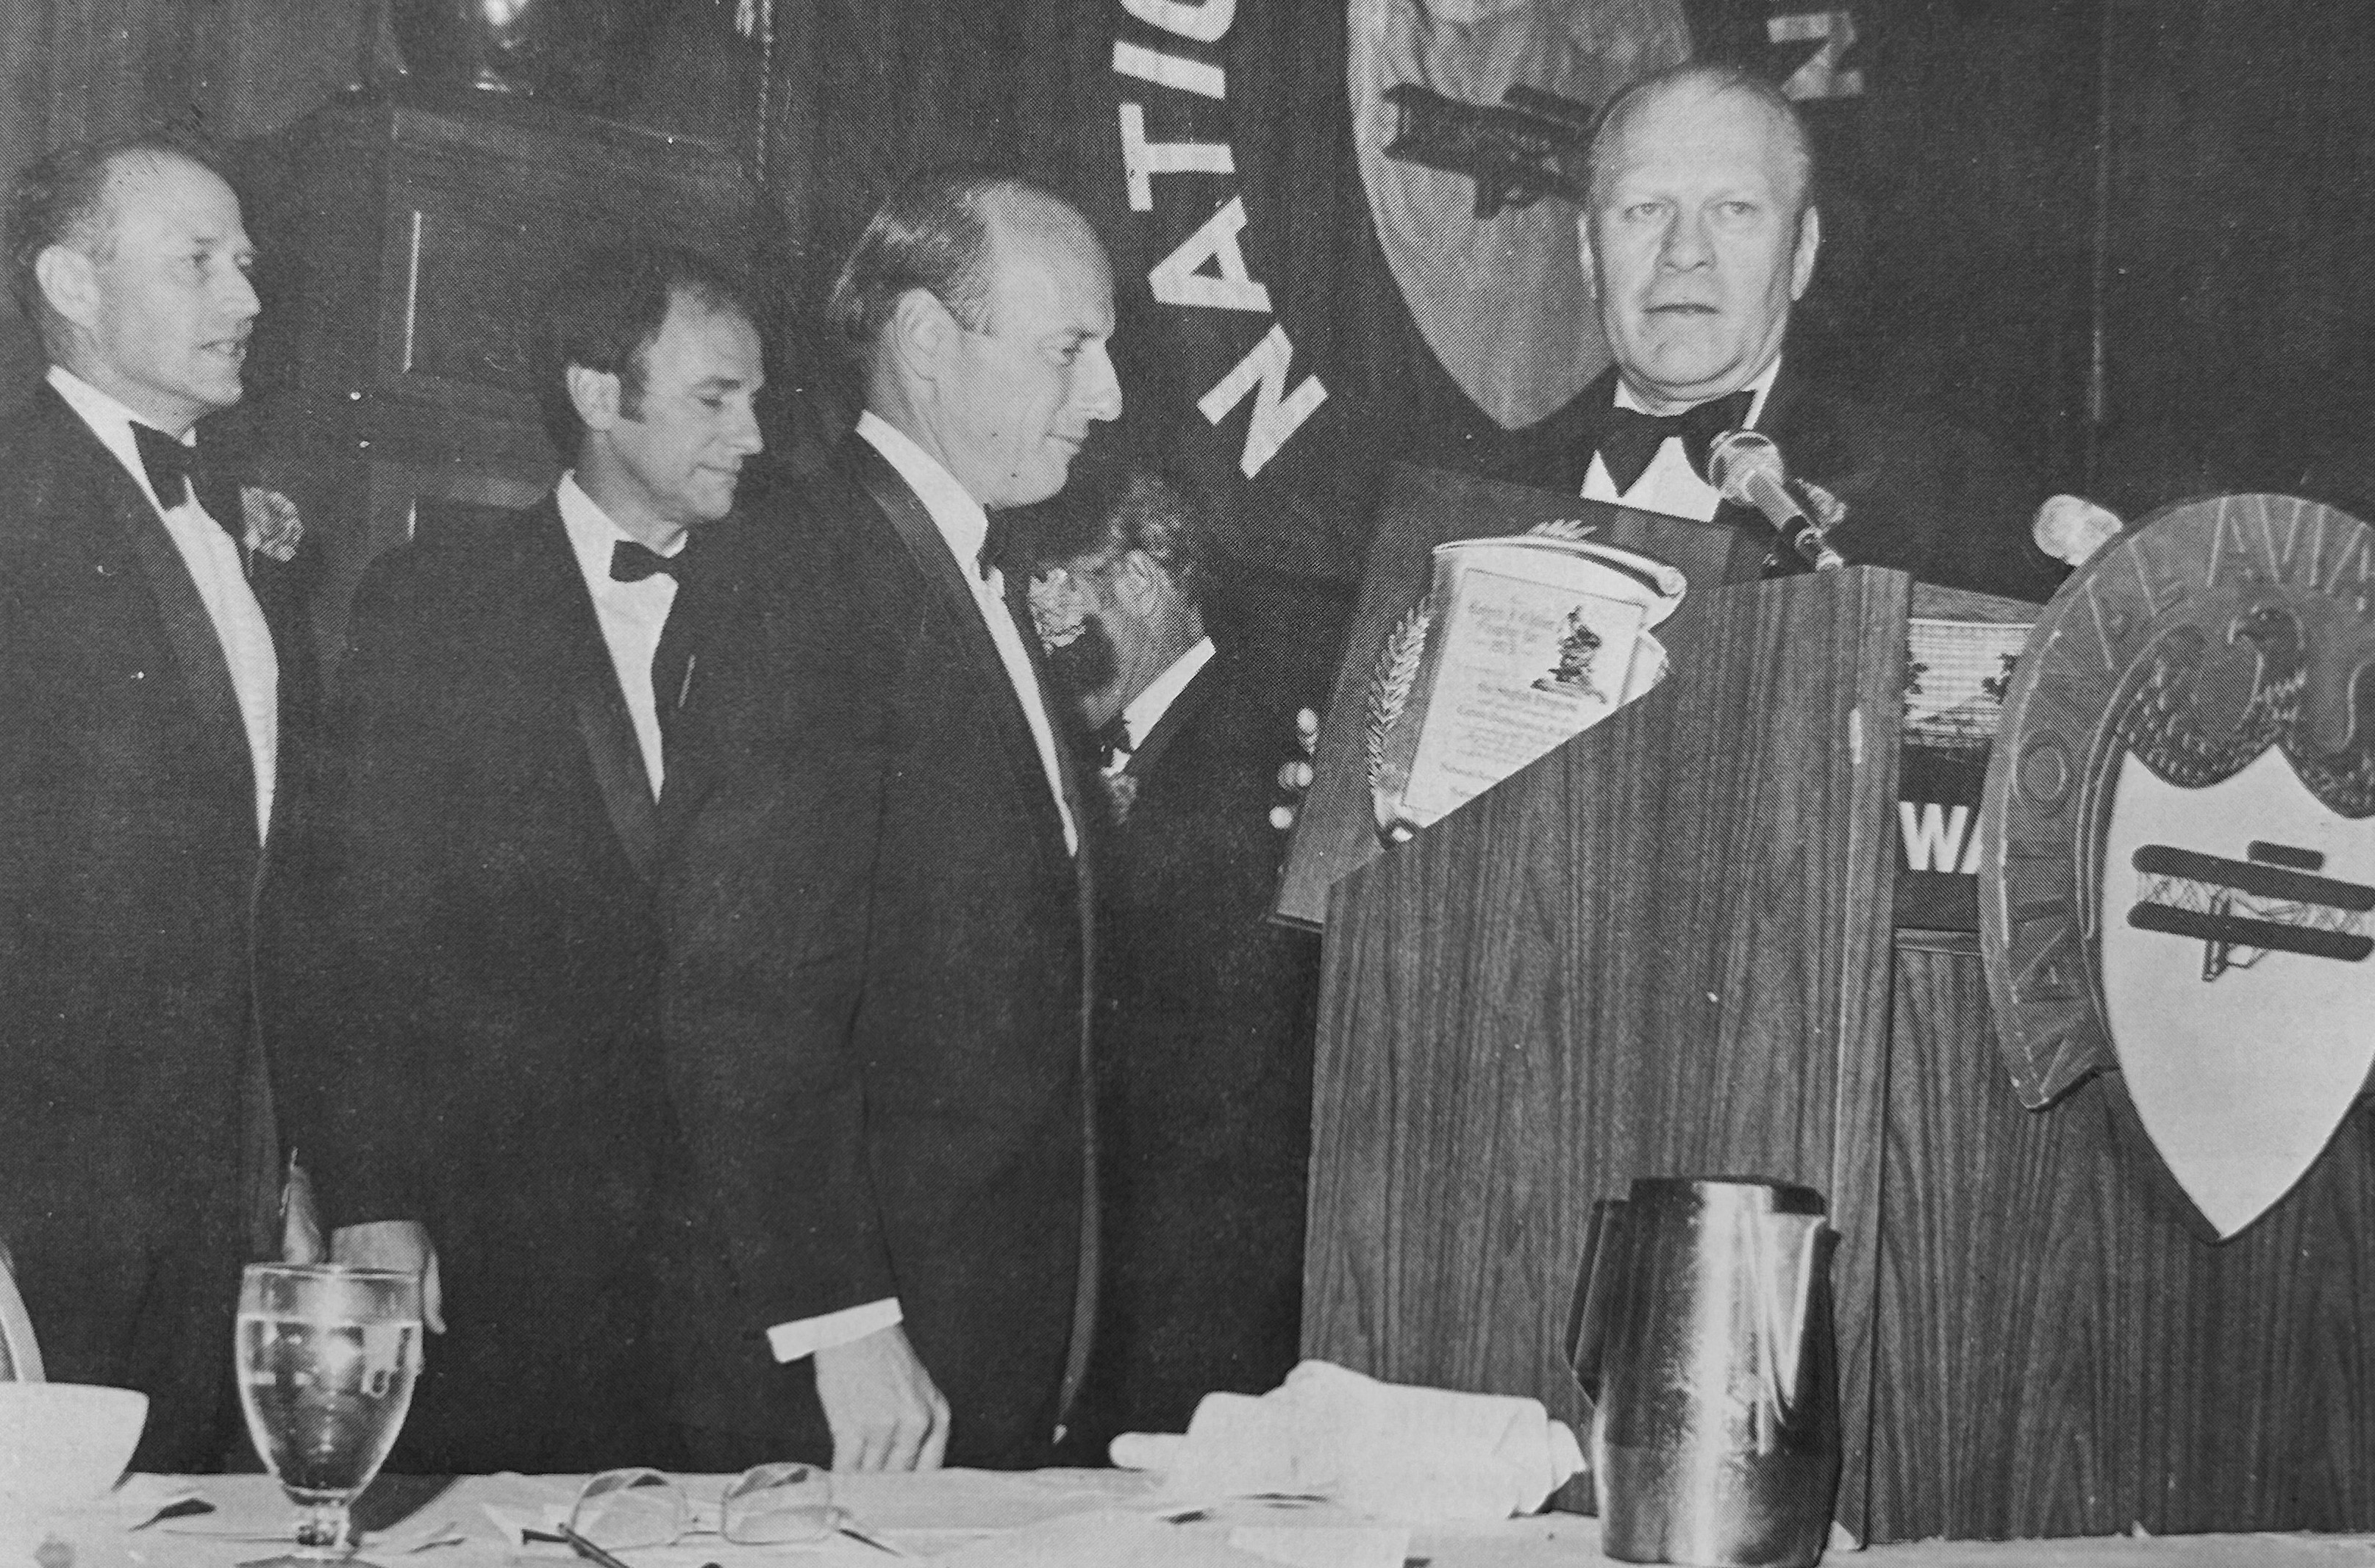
(921,332)
(1583,254)
(69,281)
(595,395)
(1801,263)
(1138,583)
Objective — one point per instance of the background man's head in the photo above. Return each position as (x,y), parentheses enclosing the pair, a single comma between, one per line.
(648,366)
(1117,583)
(1699,229)
(130,258)
(978,306)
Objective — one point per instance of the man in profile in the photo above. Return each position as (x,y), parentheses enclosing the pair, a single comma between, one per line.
(155,675)
(1206,1011)
(472,1005)
(1700,231)
(875,900)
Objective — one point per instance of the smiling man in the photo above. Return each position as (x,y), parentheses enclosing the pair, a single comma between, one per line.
(471,990)
(875,900)
(1700,233)
(155,676)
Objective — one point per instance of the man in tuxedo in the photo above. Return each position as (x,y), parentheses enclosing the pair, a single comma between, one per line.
(153,662)
(875,900)
(472,1008)
(1700,231)
(1205,1012)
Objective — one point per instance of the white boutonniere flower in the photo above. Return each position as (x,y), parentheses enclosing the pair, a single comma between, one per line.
(273,526)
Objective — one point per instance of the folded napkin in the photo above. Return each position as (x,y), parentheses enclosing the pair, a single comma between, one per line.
(1420,1455)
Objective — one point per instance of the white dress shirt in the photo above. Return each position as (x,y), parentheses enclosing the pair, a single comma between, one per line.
(633,615)
(218,571)
(963,526)
(1146,709)
(1669,484)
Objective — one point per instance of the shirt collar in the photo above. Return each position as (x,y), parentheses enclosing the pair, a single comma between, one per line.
(963,526)
(1146,709)
(593,536)
(111,420)
(1761,384)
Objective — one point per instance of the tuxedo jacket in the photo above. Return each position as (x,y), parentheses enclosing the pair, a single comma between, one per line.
(1926,497)
(467,991)
(1206,1014)
(133,1130)
(875,1002)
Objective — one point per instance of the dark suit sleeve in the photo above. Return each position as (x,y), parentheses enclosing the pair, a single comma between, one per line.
(352,969)
(781,752)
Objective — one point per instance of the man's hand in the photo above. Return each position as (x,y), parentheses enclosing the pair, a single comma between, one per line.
(395,1244)
(882,1407)
(1294,774)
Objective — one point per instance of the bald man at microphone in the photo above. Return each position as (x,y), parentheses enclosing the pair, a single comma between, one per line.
(1699,233)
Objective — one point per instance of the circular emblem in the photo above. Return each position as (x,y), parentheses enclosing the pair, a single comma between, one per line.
(1498,295)
(2177,864)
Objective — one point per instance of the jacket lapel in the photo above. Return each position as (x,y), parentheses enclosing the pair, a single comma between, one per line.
(1183,708)
(930,549)
(591,683)
(189,631)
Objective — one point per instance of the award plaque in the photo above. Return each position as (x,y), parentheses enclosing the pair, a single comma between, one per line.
(1520,644)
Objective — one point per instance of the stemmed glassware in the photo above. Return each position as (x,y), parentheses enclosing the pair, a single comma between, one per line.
(327,1356)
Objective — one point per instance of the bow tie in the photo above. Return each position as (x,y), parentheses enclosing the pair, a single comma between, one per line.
(1112,739)
(175,474)
(631,562)
(1631,438)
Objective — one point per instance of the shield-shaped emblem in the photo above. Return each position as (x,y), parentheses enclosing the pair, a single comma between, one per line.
(2236,978)
(2177,877)
(1500,300)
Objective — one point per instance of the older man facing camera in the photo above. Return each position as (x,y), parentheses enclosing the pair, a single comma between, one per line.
(155,675)
(875,899)
(1700,233)
(471,995)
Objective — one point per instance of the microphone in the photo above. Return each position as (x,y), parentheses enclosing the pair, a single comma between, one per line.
(1746,468)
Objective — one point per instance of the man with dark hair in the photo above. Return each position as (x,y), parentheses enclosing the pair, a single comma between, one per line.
(1700,231)
(153,662)
(875,903)
(472,998)
(1205,1012)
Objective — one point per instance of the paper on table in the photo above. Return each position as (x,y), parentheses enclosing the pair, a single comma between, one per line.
(1101,1539)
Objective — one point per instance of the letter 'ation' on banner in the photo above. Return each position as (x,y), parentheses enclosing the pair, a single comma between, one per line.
(1207,271)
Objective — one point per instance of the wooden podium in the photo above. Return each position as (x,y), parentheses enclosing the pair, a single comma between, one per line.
(1667,948)
(1662,949)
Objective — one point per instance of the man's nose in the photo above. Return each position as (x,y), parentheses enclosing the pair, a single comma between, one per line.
(1099,393)
(742,434)
(239,294)
(1685,243)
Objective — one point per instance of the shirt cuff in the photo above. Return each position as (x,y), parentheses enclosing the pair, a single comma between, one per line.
(791,1342)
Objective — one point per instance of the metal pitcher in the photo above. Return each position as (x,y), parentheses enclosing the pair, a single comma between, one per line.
(1702,1333)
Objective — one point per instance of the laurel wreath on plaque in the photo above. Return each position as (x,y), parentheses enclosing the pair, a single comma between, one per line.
(1389,692)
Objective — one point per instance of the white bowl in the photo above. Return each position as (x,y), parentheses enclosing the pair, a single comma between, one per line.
(63,1444)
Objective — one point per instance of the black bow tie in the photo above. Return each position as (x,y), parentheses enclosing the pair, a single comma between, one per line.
(631,562)
(1631,438)
(1112,739)
(176,473)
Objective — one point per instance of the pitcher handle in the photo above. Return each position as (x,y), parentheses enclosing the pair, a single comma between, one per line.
(1787,1310)
(1595,1289)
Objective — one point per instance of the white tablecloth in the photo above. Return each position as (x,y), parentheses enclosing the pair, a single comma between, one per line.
(1046,1517)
